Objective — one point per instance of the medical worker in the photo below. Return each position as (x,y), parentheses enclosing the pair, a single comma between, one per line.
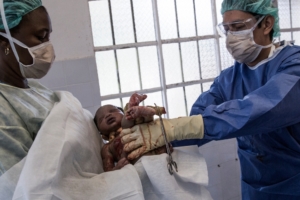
(256,101)
(25,52)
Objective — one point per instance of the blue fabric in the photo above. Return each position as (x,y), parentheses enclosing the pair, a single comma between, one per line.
(261,108)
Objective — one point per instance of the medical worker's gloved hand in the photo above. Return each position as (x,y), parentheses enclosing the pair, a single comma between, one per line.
(142,138)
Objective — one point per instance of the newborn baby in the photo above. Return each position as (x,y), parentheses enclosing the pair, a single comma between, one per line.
(110,120)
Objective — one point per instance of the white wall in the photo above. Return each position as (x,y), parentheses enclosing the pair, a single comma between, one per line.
(75,70)
(223,169)
(75,67)
(72,35)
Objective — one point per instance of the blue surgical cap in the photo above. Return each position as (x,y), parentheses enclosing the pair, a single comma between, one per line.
(16,9)
(260,7)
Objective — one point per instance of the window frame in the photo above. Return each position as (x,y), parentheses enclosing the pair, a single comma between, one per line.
(159,43)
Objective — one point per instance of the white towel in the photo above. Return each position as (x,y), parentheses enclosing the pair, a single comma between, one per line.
(64,162)
(188,183)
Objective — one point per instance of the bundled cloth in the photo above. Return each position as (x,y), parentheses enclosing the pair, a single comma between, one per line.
(64,162)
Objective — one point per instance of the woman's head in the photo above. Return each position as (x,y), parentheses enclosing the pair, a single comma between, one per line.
(28,23)
(34,29)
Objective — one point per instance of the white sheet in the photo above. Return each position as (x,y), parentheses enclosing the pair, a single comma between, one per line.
(188,183)
(64,163)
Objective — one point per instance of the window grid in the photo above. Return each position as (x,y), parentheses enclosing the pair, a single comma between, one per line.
(180,56)
(159,42)
(136,49)
(115,51)
(160,56)
(197,43)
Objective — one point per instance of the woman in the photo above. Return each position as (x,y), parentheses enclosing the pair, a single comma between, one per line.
(26,52)
(49,145)
(64,161)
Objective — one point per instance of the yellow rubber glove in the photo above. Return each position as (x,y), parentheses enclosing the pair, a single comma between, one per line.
(142,138)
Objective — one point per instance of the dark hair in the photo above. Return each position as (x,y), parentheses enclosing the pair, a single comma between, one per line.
(257,16)
(121,109)
(95,121)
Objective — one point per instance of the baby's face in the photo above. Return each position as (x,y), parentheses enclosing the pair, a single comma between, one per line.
(109,119)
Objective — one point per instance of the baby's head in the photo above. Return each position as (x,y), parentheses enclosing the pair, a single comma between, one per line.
(108,119)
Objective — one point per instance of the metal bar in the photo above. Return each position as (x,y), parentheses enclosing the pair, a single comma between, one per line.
(217,42)
(189,39)
(136,48)
(160,55)
(115,52)
(153,43)
(184,84)
(289,29)
(90,24)
(133,22)
(156,89)
(168,41)
(125,46)
(128,94)
(198,48)
(180,56)
(291,24)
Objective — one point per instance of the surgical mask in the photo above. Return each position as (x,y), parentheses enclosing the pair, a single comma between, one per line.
(42,55)
(241,44)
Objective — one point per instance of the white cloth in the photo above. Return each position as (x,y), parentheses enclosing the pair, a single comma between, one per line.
(64,162)
(188,183)
(22,113)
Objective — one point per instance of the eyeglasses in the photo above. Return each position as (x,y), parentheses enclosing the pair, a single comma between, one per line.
(223,28)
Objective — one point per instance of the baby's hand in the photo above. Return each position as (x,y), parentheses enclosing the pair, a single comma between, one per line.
(139,111)
(136,99)
(121,163)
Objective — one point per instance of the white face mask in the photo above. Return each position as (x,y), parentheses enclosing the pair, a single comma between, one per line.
(42,55)
(241,45)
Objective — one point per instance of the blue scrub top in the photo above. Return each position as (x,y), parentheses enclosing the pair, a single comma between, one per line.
(261,108)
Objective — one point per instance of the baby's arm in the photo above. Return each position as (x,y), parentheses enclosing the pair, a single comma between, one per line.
(136,99)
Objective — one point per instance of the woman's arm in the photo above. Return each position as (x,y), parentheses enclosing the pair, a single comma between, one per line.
(14,145)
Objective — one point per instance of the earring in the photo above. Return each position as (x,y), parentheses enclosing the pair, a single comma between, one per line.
(6,51)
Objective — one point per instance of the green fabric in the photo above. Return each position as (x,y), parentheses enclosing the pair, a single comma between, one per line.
(22,112)
(16,9)
(261,7)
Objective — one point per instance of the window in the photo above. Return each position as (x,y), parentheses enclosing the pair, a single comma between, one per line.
(167,49)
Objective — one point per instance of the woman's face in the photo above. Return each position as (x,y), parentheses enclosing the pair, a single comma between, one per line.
(34,29)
